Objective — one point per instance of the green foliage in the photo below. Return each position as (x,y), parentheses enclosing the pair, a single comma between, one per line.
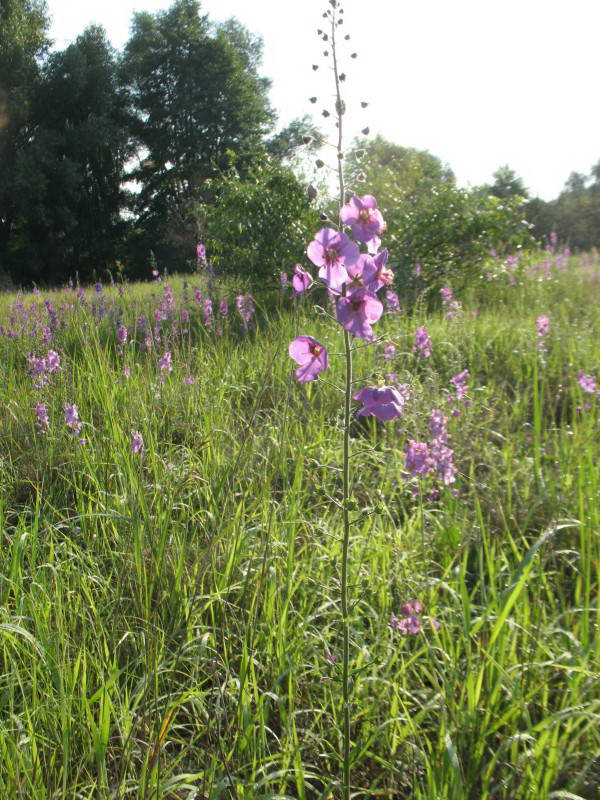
(68,177)
(196,95)
(506,184)
(257,224)
(575,214)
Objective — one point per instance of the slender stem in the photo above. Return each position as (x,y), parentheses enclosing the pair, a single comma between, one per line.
(339,107)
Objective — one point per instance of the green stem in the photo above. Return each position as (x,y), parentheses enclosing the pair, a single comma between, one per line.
(339,107)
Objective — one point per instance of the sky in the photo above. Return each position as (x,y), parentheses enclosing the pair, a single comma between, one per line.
(478,83)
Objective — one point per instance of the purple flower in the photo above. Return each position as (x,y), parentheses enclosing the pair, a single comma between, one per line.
(223,308)
(301,280)
(200,256)
(543,325)
(446,294)
(389,351)
(412,622)
(357,312)
(383,402)
(442,459)
(587,382)
(383,274)
(311,355)
(362,274)
(52,361)
(189,380)
(437,424)
(72,418)
(122,334)
(392,303)
(41,413)
(245,306)
(422,346)
(417,458)
(364,217)
(460,383)
(283,280)
(418,270)
(166,363)
(208,313)
(332,251)
(137,444)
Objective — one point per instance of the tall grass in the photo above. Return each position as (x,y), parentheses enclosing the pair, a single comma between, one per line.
(168,622)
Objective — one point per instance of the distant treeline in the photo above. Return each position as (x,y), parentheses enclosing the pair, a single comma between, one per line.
(116,160)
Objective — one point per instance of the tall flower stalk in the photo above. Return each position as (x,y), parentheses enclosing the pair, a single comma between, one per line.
(353,280)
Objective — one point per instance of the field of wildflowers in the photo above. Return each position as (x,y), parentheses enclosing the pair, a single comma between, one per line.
(171,502)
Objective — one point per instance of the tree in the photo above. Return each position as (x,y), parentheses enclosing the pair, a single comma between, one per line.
(507,184)
(71,170)
(23,43)
(196,98)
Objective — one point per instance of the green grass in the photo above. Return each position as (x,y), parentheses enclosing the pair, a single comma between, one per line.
(165,621)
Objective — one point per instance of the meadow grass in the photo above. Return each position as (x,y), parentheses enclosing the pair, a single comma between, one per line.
(169,621)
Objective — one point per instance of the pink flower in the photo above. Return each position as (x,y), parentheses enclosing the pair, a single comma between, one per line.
(301,280)
(166,363)
(587,382)
(389,351)
(364,217)
(543,325)
(137,444)
(332,251)
(418,460)
(422,346)
(72,418)
(383,402)
(460,383)
(311,355)
(357,312)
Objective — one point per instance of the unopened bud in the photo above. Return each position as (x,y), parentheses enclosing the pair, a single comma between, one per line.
(353,55)
(325,113)
(340,155)
(315,67)
(307,139)
(347,36)
(363,103)
(342,76)
(311,192)
(312,99)
(366,131)
(319,163)
(325,53)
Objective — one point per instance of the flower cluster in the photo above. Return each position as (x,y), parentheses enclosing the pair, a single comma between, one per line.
(41,368)
(422,347)
(411,621)
(352,279)
(435,458)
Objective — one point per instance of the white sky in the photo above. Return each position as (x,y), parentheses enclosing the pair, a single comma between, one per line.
(478,83)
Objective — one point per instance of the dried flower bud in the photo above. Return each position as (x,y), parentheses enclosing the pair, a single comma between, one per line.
(325,53)
(363,103)
(353,55)
(311,192)
(347,36)
(312,99)
(340,107)
(340,155)
(315,67)
(325,113)
(325,37)
(307,139)
(319,163)
(366,131)
(342,76)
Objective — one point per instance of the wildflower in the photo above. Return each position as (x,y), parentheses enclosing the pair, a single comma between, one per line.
(412,621)
(442,460)
(283,280)
(72,418)
(332,251)
(301,280)
(543,325)
(166,362)
(446,294)
(43,422)
(383,402)
(418,270)
(223,308)
(126,373)
(189,380)
(98,288)
(137,444)
(357,312)
(362,214)
(122,334)
(311,355)
(208,313)
(245,307)
(460,383)
(383,274)
(587,382)
(417,458)
(422,346)
(389,351)
(392,303)
(200,256)
(437,424)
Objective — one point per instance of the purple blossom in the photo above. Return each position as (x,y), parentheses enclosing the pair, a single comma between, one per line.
(411,621)
(442,460)
(208,313)
(587,382)
(245,306)
(137,444)
(362,214)
(460,383)
(437,424)
(283,280)
(418,270)
(122,334)
(311,355)
(389,351)
(417,458)
(383,274)
(357,312)
(446,294)
(223,308)
(189,380)
(422,346)
(332,251)
(543,325)
(200,256)
(166,362)
(301,280)
(383,402)
(43,423)
(72,418)
(392,303)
